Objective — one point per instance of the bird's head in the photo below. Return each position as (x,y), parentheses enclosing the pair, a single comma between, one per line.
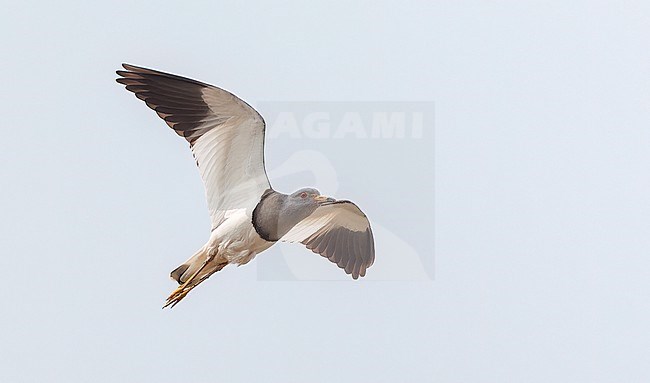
(309,197)
(277,213)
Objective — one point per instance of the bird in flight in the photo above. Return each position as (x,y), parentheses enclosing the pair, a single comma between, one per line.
(226,136)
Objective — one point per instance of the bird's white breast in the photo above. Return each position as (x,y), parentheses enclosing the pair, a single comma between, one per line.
(236,239)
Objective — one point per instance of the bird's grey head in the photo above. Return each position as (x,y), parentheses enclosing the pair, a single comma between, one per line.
(298,205)
(306,200)
(304,197)
(277,213)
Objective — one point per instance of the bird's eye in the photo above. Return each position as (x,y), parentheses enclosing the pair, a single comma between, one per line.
(303,195)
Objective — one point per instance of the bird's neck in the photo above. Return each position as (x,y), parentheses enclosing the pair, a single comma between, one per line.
(266,216)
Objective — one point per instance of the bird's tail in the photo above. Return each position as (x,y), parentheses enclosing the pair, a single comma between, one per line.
(192,272)
(189,267)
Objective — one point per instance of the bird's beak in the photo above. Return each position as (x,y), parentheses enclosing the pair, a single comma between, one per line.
(322,198)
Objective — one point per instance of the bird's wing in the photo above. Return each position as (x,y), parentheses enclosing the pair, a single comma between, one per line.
(226,134)
(340,232)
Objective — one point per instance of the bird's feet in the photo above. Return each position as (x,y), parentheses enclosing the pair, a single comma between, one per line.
(177,295)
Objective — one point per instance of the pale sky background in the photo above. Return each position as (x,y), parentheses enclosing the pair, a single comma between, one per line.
(533,267)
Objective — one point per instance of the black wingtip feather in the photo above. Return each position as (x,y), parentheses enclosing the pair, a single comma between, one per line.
(137,70)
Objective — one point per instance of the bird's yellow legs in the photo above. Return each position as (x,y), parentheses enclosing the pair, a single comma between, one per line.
(187,286)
